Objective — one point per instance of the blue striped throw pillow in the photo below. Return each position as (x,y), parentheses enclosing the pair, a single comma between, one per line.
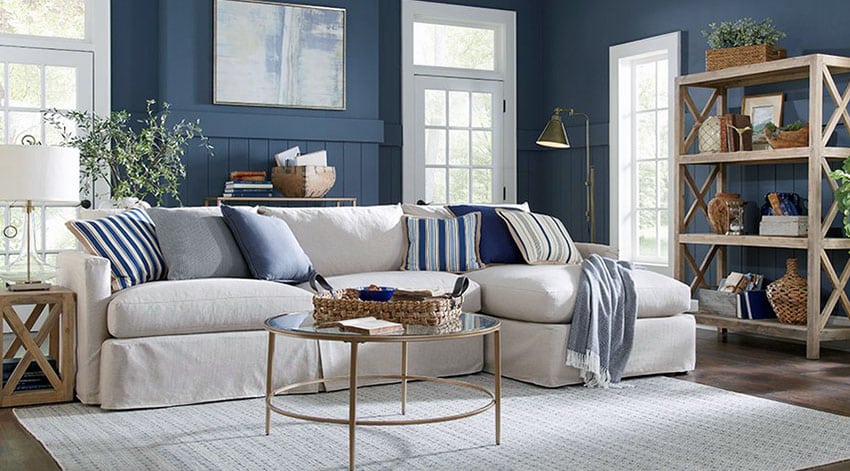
(128,241)
(442,244)
(541,239)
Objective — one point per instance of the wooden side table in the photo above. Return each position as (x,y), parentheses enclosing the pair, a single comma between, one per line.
(57,307)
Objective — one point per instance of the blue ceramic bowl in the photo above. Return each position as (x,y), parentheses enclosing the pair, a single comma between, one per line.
(385,293)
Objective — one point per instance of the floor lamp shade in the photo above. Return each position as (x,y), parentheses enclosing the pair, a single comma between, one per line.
(39,173)
(554,134)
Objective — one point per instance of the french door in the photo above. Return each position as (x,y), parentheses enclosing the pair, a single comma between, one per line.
(458,140)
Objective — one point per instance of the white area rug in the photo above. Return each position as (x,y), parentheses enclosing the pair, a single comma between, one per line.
(659,423)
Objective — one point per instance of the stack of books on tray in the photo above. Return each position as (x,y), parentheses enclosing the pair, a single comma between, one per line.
(247,184)
(33,378)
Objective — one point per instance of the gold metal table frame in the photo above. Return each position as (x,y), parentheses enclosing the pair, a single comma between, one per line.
(354,341)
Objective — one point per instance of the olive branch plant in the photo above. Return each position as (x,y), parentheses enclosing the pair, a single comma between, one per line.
(842,192)
(141,161)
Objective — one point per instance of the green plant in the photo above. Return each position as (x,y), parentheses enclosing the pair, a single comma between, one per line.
(795,126)
(842,192)
(136,163)
(743,32)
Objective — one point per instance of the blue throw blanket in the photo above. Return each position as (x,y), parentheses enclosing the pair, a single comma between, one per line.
(603,325)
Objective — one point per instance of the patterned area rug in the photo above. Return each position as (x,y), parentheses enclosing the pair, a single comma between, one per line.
(657,423)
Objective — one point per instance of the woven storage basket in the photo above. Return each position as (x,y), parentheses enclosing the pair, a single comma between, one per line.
(786,139)
(336,305)
(716,59)
(303,181)
(787,295)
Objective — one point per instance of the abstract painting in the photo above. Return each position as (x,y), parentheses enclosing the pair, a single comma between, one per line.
(279,54)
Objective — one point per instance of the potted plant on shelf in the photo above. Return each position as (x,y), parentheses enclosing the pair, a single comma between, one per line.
(842,192)
(137,163)
(742,42)
(795,134)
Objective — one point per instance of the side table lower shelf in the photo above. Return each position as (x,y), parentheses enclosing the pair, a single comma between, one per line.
(770,327)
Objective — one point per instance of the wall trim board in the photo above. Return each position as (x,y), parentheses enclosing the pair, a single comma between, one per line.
(265,126)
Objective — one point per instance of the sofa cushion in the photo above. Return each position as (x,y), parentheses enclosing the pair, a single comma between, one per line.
(540,238)
(199,306)
(347,240)
(496,245)
(411,280)
(547,293)
(268,245)
(442,244)
(196,243)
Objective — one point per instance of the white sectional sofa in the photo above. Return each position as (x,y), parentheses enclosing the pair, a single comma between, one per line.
(177,342)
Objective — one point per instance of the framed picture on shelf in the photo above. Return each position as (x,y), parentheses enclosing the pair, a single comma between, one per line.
(278,54)
(762,109)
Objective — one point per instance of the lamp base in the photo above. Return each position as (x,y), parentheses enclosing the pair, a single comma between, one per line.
(28,286)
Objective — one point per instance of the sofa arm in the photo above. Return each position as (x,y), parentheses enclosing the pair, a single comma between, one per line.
(603,250)
(90,278)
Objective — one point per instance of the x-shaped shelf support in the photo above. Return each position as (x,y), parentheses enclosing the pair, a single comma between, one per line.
(32,345)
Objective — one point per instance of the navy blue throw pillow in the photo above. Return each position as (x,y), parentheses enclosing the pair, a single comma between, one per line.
(496,245)
(268,245)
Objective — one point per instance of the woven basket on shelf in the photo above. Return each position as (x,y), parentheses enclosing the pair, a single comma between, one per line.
(787,139)
(716,59)
(787,295)
(303,181)
(344,304)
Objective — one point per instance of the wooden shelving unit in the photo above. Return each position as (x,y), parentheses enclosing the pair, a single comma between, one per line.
(819,69)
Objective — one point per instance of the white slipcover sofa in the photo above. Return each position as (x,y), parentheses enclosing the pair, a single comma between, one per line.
(167,343)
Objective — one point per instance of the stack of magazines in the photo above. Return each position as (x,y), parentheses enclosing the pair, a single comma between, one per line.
(248,184)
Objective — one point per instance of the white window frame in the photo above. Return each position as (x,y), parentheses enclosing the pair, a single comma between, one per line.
(504,22)
(622,59)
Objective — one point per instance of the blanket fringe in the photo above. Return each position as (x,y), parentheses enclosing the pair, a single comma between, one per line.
(593,375)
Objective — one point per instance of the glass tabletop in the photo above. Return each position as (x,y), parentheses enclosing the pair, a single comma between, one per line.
(300,324)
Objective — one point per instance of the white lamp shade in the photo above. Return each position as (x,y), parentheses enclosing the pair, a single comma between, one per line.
(39,173)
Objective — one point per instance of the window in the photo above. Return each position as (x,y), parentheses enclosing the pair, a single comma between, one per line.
(642,74)
(47,60)
(458,112)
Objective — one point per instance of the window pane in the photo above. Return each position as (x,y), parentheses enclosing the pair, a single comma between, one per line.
(61,19)
(58,238)
(454,46)
(482,110)
(2,84)
(458,147)
(661,84)
(22,123)
(435,107)
(435,185)
(647,236)
(482,148)
(458,185)
(663,184)
(646,185)
(663,233)
(435,146)
(61,85)
(2,128)
(25,85)
(482,186)
(53,136)
(645,136)
(459,109)
(645,82)
(663,134)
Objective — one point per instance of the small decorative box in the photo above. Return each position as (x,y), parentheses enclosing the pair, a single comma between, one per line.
(793,226)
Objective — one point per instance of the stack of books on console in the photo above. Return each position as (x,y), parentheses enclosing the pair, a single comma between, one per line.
(248,184)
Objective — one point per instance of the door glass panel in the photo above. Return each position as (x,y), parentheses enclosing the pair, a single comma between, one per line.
(458,185)
(3,84)
(435,146)
(482,148)
(482,110)
(22,123)
(61,87)
(458,109)
(2,128)
(482,186)
(435,108)
(25,85)
(59,19)
(454,46)
(435,185)
(458,147)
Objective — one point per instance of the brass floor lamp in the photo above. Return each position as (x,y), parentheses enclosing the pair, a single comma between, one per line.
(554,135)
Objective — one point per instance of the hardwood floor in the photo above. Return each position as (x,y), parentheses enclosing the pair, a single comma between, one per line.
(761,367)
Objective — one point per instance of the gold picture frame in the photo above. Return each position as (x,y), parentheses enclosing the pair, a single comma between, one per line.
(762,109)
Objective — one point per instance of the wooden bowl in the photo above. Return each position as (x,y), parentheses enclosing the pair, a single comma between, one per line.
(786,139)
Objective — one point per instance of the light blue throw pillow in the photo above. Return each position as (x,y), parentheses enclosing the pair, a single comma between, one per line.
(268,245)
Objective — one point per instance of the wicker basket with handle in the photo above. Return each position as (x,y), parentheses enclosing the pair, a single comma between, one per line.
(716,59)
(332,305)
(787,295)
(304,181)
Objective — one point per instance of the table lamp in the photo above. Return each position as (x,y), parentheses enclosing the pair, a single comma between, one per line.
(37,174)
(554,135)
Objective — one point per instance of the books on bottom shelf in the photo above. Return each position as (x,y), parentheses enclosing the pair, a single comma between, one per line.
(367,325)
(33,378)
(751,304)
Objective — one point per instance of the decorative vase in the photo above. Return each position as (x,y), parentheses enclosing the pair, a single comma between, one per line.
(787,295)
(717,210)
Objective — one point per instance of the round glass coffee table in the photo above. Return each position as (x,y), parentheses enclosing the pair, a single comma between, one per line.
(300,325)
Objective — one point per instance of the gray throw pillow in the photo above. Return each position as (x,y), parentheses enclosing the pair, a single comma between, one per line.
(196,243)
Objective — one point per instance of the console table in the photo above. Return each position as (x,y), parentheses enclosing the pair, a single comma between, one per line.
(217,200)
